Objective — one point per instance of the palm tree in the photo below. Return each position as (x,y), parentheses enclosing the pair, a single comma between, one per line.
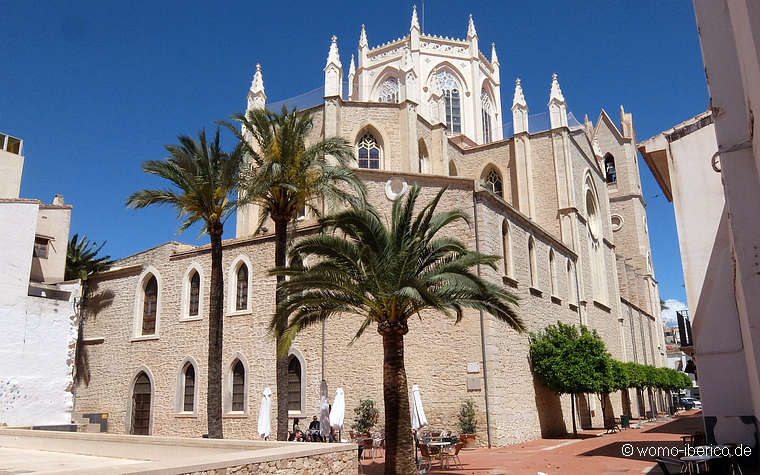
(385,276)
(82,260)
(204,179)
(286,178)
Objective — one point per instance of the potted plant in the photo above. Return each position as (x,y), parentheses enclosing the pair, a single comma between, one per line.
(366,416)
(468,425)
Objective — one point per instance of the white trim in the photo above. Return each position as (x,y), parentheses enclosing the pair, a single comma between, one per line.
(232,286)
(297,354)
(179,406)
(130,396)
(185,300)
(139,300)
(227,394)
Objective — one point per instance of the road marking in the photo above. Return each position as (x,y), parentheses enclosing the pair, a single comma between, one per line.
(562,444)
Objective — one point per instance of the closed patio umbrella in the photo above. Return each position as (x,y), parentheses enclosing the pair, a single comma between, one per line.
(324,411)
(338,411)
(418,415)
(265,417)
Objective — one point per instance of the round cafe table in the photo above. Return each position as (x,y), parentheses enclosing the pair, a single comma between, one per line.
(692,462)
(442,445)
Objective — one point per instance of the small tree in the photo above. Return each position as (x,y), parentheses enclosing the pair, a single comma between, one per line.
(614,379)
(569,360)
(366,416)
(467,422)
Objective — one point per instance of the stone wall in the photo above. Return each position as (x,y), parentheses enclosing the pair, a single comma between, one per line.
(344,463)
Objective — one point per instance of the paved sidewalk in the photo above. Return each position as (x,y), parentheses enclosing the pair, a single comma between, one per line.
(587,455)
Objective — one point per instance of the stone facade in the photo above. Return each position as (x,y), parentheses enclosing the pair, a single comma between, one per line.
(343,463)
(549,216)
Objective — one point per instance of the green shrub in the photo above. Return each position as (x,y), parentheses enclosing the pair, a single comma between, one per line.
(366,416)
(467,422)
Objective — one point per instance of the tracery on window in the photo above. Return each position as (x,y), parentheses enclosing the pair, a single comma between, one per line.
(493,182)
(389,91)
(486,112)
(368,152)
(452,93)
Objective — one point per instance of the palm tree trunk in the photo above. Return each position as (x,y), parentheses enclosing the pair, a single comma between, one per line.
(281,366)
(399,444)
(215,340)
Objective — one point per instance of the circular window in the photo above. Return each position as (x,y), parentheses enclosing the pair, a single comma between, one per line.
(617,222)
(395,187)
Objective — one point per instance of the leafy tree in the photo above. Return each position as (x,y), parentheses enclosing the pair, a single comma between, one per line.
(366,416)
(385,275)
(614,378)
(203,178)
(82,260)
(286,177)
(570,361)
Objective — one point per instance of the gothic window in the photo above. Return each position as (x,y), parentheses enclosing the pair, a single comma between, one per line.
(389,91)
(188,392)
(609,168)
(532,262)
(552,273)
(506,243)
(369,152)
(195,294)
(294,384)
(571,290)
(486,112)
(141,399)
(493,182)
(238,387)
(150,305)
(452,168)
(596,249)
(241,300)
(452,94)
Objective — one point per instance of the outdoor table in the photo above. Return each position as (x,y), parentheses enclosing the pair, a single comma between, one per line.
(441,445)
(693,461)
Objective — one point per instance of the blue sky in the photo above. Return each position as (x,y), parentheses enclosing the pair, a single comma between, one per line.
(95,88)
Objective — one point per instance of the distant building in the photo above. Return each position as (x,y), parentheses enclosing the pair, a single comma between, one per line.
(37,307)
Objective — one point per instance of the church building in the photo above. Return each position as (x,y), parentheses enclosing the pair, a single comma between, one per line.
(559,200)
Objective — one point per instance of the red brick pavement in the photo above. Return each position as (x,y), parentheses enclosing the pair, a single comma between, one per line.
(586,455)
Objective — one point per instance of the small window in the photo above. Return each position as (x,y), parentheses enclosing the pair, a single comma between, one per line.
(493,182)
(301,214)
(532,262)
(452,168)
(369,152)
(552,273)
(238,387)
(195,294)
(506,243)
(294,384)
(13,145)
(241,300)
(41,248)
(616,221)
(571,290)
(141,400)
(150,305)
(424,161)
(609,168)
(188,402)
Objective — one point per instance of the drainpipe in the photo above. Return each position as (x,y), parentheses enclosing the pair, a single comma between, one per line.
(482,318)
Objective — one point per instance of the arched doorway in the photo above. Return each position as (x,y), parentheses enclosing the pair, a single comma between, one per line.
(141,400)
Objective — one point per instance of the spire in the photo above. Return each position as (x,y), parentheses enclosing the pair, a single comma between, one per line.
(494,58)
(557,105)
(333,57)
(415,22)
(363,38)
(471,29)
(351,76)
(519,100)
(256,95)
(352,67)
(556,93)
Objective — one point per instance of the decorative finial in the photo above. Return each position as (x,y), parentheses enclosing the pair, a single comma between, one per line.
(471,29)
(494,57)
(415,22)
(333,57)
(258,67)
(363,38)
(556,93)
(519,99)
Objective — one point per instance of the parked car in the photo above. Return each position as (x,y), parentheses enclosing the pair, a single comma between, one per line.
(691,403)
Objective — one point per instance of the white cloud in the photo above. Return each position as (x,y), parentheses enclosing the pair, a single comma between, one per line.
(669,315)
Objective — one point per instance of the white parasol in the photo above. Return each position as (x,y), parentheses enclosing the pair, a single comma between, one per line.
(338,410)
(265,417)
(418,413)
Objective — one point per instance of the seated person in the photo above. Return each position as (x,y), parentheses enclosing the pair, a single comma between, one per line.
(314,424)
(299,436)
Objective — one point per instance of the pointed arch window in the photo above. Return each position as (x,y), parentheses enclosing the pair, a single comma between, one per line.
(150,306)
(389,91)
(552,272)
(238,387)
(368,152)
(486,113)
(506,243)
(294,384)
(609,168)
(452,168)
(424,161)
(141,401)
(493,182)
(188,390)
(532,262)
(195,294)
(452,94)
(571,290)
(241,296)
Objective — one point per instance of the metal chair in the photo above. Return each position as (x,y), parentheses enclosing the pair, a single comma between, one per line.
(453,454)
(426,459)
